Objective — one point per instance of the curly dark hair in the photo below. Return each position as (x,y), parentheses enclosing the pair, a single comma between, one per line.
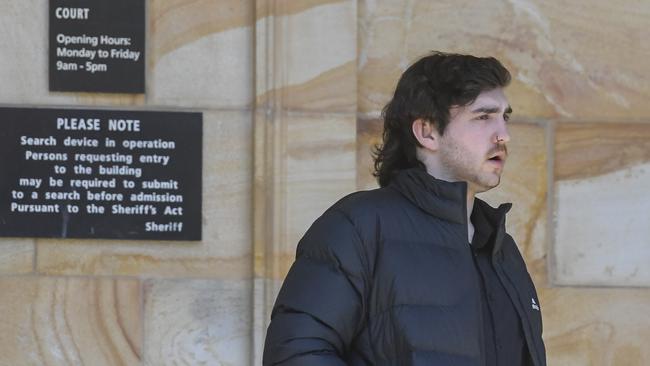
(427,90)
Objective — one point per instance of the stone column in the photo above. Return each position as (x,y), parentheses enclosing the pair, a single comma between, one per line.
(305,131)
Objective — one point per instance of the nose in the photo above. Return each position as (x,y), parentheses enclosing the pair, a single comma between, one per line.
(502,135)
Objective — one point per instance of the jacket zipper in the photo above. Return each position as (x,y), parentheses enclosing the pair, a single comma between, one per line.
(477,279)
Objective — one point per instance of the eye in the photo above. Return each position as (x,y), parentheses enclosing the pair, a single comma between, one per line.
(484,117)
(506,117)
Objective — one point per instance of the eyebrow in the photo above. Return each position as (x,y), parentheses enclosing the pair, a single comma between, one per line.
(490,110)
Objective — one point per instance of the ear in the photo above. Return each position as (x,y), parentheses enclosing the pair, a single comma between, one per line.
(426,134)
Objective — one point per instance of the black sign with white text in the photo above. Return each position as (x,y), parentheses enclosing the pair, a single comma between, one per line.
(73,173)
(97,45)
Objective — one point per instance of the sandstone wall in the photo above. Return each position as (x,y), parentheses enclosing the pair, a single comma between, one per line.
(291,92)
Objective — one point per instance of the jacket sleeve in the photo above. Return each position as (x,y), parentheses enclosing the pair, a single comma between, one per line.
(319,309)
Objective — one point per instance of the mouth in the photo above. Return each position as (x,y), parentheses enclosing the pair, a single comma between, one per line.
(498,159)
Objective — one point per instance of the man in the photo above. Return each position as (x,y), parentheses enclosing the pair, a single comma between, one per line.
(419,271)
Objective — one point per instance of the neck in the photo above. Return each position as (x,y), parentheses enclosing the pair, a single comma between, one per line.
(470,208)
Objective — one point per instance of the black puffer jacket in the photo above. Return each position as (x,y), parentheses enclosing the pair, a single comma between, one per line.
(386,277)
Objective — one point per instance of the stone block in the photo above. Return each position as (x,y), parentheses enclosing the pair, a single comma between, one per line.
(320,169)
(564,58)
(198,322)
(312,60)
(70,321)
(600,327)
(24,60)
(602,209)
(201,53)
(304,163)
(17,255)
(226,248)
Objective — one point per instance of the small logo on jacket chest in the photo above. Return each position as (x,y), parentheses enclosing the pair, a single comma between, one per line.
(534,305)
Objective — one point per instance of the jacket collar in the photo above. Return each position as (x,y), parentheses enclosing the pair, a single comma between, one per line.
(447,200)
(439,198)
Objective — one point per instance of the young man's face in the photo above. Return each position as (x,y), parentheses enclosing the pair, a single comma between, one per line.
(473,146)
